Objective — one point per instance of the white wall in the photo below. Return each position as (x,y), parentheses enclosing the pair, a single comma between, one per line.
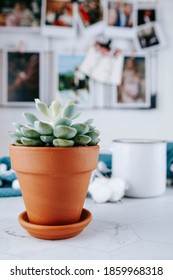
(155,123)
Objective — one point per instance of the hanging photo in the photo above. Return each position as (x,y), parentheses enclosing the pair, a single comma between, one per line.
(20,15)
(120,18)
(103,65)
(146,13)
(22,77)
(91,59)
(72,83)
(134,91)
(109,69)
(59,18)
(150,37)
(90,16)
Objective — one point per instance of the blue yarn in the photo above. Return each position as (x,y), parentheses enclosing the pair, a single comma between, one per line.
(8,176)
(169,159)
(6,160)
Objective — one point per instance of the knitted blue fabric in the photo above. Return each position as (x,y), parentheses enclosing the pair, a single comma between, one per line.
(6,160)
(169,159)
(6,178)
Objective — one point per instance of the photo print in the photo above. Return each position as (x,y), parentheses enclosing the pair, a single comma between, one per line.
(150,37)
(71,82)
(23,14)
(146,13)
(22,78)
(133,92)
(91,59)
(103,64)
(120,18)
(90,16)
(58,18)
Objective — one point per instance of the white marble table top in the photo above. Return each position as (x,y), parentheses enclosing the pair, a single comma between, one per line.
(130,229)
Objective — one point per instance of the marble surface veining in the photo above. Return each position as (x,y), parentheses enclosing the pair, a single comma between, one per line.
(130,229)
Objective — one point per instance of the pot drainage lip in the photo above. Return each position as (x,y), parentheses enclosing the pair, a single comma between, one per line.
(55,232)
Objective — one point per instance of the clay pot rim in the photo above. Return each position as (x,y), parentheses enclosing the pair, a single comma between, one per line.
(13,146)
(68,159)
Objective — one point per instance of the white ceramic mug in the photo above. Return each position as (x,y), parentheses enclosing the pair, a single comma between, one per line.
(142,163)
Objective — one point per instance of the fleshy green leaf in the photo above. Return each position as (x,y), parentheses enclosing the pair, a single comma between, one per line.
(17,125)
(92,127)
(30,142)
(64,132)
(55,109)
(81,128)
(63,143)
(94,142)
(14,135)
(81,140)
(42,108)
(93,134)
(18,143)
(31,118)
(63,121)
(47,138)
(89,121)
(70,110)
(30,133)
(76,115)
(43,128)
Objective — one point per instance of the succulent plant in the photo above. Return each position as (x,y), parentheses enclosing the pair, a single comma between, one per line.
(58,131)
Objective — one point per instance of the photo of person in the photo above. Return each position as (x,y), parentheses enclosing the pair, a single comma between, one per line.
(147,37)
(23,76)
(20,13)
(145,16)
(90,11)
(59,13)
(133,90)
(72,83)
(120,14)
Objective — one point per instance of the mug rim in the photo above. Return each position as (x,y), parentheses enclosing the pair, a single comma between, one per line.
(138,141)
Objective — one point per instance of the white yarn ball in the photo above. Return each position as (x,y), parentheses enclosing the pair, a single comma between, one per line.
(99,190)
(118,187)
(103,189)
(102,167)
(97,182)
(15,185)
(3,168)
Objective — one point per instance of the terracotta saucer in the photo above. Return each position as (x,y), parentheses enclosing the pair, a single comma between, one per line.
(55,232)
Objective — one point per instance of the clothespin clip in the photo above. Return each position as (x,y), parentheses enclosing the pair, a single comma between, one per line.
(21,47)
(106,44)
(103,47)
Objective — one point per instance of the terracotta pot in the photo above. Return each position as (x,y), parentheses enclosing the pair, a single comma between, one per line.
(54,181)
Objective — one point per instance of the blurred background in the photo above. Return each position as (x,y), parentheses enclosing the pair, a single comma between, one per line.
(112,122)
